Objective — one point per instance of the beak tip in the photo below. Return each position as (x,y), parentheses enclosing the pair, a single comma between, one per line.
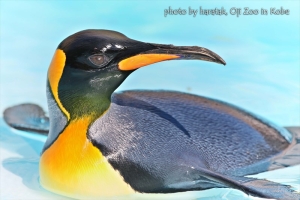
(221,61)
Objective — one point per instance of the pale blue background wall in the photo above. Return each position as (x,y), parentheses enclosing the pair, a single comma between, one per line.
(262,52)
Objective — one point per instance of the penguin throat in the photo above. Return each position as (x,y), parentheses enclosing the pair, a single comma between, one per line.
(92,107)
(60,118)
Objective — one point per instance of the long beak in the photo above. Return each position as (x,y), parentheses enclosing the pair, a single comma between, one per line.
(163,52)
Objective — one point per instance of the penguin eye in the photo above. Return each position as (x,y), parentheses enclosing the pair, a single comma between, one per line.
(98,59)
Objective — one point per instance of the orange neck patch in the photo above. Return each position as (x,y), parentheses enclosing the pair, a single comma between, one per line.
(54,74)
(73,167)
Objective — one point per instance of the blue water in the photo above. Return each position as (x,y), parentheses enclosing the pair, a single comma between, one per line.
(262,73)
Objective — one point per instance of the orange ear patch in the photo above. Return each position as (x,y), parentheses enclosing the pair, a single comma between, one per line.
(142,60)
(54,74)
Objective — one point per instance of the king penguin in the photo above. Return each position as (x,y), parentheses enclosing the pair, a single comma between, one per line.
(103,144)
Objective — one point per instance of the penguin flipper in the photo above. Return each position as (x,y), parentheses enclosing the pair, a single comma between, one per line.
(256,187)
(27,117)
(265,189)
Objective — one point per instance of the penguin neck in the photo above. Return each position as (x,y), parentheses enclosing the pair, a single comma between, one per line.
(70,164)
(61,115)
(91,108)
(73,122)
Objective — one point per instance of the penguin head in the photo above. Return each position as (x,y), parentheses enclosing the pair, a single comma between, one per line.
(89,65)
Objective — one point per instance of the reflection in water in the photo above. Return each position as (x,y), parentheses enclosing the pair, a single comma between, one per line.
(25,168)
(20,165)
(20,153)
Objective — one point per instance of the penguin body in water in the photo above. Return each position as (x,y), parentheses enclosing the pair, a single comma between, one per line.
(102,143)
